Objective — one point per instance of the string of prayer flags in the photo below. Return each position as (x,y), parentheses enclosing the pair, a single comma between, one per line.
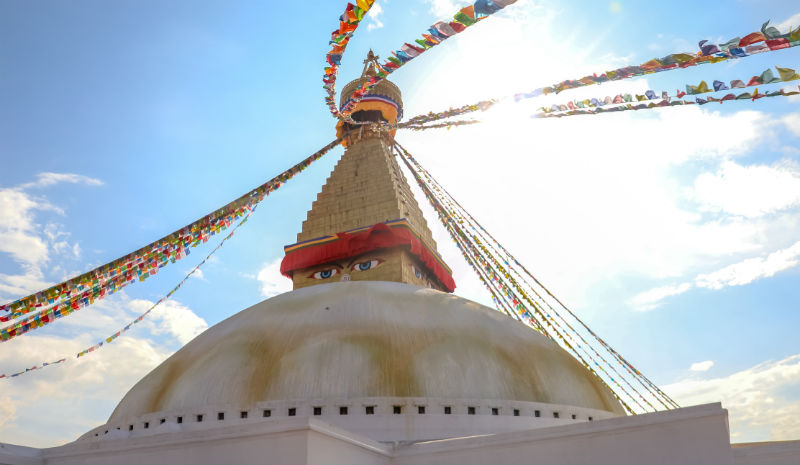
(419,123)
(436,116)
(767,77)
(28,370)
(770,39)
(520,295)
(565,110)
(348,23)
(709,53)
(141,317)
(64,298)
(784,75)
(437,33)
(446,124)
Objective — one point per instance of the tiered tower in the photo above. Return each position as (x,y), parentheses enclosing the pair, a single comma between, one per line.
(365,224)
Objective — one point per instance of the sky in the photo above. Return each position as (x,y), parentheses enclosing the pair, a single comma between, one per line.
(673,232)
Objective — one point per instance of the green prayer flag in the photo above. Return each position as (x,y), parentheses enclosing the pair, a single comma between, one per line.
(767,77)
(464,19)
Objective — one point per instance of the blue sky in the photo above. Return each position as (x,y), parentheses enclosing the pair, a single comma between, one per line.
(674,231)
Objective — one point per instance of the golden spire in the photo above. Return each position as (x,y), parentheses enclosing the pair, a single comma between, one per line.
(368,198)
(369,64)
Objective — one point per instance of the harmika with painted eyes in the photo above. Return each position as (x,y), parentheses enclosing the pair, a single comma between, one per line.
(362,268)
(345,267)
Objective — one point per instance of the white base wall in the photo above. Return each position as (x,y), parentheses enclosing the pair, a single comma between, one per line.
(691,435)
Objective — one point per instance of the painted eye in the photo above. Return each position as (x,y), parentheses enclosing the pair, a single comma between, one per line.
(367,265)
(324,274)
(417,273)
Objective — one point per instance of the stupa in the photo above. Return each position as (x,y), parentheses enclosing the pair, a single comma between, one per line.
(372,359)
(370,329)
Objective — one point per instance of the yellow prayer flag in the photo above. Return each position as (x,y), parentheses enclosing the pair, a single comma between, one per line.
(787,74)
(794,35)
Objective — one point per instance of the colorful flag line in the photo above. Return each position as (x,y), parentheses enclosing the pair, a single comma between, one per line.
(127,327)
(770,39)
(438,32)
(767,77)
(348,23)
(520,295)
(667,102)
(446,124)
(72,295)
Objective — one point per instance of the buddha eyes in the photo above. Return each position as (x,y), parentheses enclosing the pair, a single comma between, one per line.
(359,266)
(417,273)
(324,274)
(366,265)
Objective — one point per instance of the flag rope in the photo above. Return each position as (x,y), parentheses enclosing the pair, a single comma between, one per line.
(69,296)
(487,258)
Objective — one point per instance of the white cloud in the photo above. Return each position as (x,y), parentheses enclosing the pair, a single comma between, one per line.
(737,274)
(792,122)
(761,401)
(198,274)
(7,410)
(651,299)
(271,279)
(751,190)
(446,8)
(20,236)
(375,14)
(173,318)
(49,179)
(26,241)
(614,211)
(58,403)
(751,269)
(591,201)
(791,22)
(702,366)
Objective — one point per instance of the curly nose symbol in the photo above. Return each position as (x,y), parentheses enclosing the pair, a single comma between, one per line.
(345,277)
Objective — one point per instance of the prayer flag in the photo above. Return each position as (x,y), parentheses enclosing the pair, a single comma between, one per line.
(462,18)
(777,44)
(485,7)
(752,38)
(787,74)
(770,32)
(767,77)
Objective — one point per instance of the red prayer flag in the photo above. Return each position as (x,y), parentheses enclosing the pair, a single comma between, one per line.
(458,27)
(777,44)
(754,81)
(751,39)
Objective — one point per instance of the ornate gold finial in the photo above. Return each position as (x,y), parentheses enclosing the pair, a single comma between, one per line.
(369,64)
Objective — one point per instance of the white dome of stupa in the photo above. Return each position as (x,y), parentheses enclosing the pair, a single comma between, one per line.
(390,346)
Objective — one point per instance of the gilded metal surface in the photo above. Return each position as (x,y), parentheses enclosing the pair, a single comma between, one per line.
(385,87)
